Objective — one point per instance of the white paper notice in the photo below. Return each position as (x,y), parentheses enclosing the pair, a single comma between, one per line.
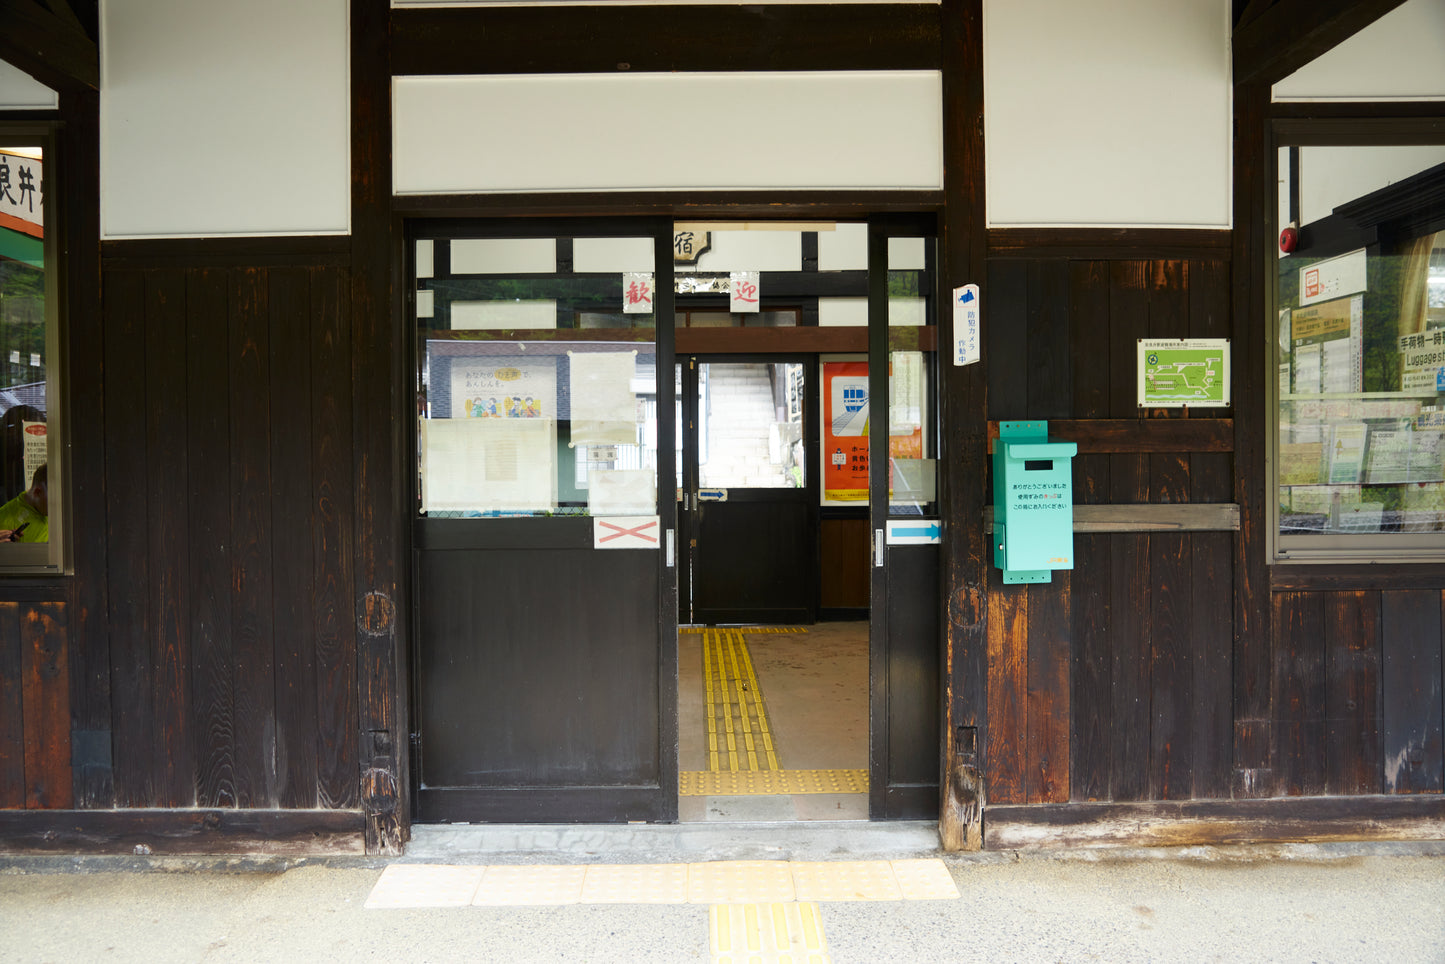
(488,464)
(965,325)
(604,408)
(905,388)
(621,492)
(744,293)
(637,292)
(504,387)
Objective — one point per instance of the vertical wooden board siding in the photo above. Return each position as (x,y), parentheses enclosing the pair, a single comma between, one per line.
(1008,640)
(288,304)
(88,634)
(1091,705)
(1168,318)
(1211,645)
(1411,693)
(1299,700)
(12,710)
(1049,360)
(1089,333)
(1131,594)
(1352,701)
(1046,753)
(169,488)
(251,526)
(1171,669)
(47,707)
(1007,340)
(128,539)
(335,626)
(213,669)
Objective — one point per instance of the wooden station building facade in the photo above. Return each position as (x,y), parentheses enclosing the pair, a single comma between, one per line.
(220,652)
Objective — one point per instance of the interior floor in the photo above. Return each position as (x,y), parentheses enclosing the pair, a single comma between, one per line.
(797,698)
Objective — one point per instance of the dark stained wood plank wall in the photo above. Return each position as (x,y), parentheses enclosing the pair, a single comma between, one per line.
(230,514)
(1123,662)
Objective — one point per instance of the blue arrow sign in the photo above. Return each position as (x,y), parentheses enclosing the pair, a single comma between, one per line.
(922,532)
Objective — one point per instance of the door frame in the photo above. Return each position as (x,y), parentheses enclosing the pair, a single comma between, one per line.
(687,519)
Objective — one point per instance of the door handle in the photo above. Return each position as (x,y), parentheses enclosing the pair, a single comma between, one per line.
(878,548)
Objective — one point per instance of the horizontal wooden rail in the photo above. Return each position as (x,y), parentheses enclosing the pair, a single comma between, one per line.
(1139,435)
(1151,517)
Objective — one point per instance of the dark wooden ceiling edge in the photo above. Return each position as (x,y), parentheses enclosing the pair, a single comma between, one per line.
(55,50)
(783,204)
(224,252)
(1361,112)
(1204,244)
(618,38)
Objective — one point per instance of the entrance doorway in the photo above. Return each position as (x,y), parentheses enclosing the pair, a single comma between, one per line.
(558,392)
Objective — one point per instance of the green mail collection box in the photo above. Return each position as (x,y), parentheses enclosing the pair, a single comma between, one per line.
(1033,502)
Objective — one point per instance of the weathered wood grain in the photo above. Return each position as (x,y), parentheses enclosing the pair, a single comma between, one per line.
(46,674)
(1047,705)
(1008,643)
(1411,691)
(1352,693)
(1299,679)
(164,831)
(12,709)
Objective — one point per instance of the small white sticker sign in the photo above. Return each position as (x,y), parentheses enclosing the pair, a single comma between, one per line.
(744,293)
(914,532)
(624,532)
(965,325)
(637,292)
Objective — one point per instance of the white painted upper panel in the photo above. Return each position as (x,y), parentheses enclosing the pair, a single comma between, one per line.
(1401,56)
(224,118)
(591,132)
(20,91)
(1108,113)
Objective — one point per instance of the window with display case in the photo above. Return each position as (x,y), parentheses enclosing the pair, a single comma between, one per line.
(1358,460)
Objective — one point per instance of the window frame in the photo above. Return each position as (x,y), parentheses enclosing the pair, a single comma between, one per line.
(1335,548)
(53,557)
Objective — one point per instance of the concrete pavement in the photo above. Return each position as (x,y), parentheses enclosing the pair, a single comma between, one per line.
(1344,902)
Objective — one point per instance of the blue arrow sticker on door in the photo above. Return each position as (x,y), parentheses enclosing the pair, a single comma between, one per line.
(919,532)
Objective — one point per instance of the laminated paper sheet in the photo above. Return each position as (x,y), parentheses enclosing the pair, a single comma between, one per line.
(604,409)
(488,464)
(621,492)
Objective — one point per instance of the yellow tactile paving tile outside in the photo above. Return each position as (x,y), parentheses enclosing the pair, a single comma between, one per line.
(926,878)
(744,742)
(709,783)
(750,630)
(532,885)
(635,884)
(846,880)
(739,881)
(424,885)
(765,933)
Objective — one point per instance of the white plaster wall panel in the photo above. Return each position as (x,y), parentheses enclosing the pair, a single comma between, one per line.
(613,254)
(1107,113)
(880,130)
(753,251)
(224,118)
(1330,176)
(845,248)
(20,91)
(504,256)
(1401,56)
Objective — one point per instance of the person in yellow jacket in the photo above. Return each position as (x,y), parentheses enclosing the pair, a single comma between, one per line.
(26,518)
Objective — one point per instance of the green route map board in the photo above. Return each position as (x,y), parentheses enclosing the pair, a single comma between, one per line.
(1175,373)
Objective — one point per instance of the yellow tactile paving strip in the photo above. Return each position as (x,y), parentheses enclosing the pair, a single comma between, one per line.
(738,735)
(719,783)
(712,882)
(766,933)
(694,630)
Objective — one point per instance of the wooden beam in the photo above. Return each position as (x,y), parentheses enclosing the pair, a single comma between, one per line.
(1215,822)
(614,38)
(1282,39)
(1152,435)
(52,49)
(1150,517)
(1110,244)
(164,831)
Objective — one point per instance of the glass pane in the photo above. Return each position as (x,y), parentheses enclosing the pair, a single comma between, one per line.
(912,421)
(1361,350)
(515,419)
(26,342)
(750,434)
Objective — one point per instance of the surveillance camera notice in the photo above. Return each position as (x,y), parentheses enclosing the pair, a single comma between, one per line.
(1184,373)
